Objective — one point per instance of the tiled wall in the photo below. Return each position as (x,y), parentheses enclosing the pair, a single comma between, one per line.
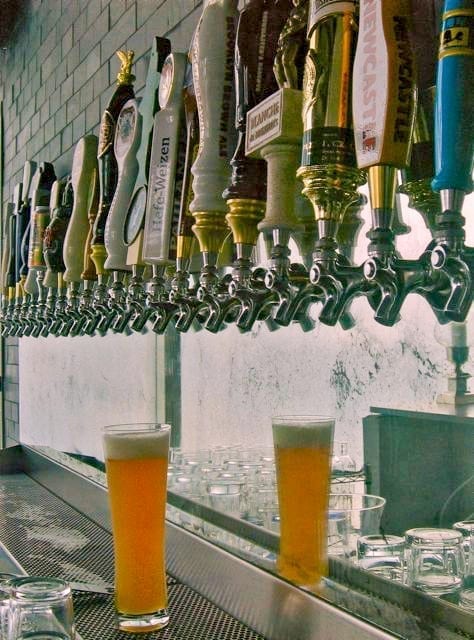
(57,73)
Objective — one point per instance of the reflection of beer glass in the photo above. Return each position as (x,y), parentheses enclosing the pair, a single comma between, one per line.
(302,456)
(136,460)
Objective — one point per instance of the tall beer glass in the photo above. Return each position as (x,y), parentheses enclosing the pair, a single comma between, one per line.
(136,460)
(302,455)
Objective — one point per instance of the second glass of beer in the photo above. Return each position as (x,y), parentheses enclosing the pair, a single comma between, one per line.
(302,455)
(136,460)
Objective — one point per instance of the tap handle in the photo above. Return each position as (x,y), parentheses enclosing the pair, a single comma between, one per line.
(212,55)
(84,164)
(384,84)
(108,170)
(165,177)
(53,240)
(185,240)
(11,273)
(41,186)
(149,105)
(126,143)
(454,143)
(258,30)
(89,272)
(8,253)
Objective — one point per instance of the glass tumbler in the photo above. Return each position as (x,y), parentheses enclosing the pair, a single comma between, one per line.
(5,580)
(382,555)
(466,595)
(136,462)
(434,560)
(40,608)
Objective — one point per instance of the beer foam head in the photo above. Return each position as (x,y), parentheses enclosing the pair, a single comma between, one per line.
(302,431)
(136,441)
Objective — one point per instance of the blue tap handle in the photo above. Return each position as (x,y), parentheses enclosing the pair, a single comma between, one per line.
(454,110)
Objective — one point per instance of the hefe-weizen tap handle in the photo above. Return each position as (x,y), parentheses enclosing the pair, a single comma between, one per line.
(84,164)
(164,184)
(149,105)
(454,142)
(212,56)
(40,216)
(61,208)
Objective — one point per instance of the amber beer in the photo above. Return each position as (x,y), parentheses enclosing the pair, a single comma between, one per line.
(302,454)
(136,460)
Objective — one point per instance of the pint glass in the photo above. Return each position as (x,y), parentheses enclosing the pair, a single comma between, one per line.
(136,460)
(302,455)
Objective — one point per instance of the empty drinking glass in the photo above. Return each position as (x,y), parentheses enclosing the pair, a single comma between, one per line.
(40,608)
(382,555)
(435,560)
(5,580)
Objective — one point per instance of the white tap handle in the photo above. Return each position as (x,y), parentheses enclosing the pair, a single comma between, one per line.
(84,164)
(162,211)
(126,143)
(212,57)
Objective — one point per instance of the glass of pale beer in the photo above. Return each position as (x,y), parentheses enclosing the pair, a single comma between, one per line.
(303,457)
(136,461)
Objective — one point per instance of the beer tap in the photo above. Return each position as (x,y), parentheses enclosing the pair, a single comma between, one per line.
(108,178)
(40,216)
(12,291)
(19,257)
(183,304)
(8,249)
(84,166)
(89,319)
(454,152)
(134,222)
(328,173)
(164,194)
(259,27)
(212,56)
(384,111)
(131,147)
(53,241)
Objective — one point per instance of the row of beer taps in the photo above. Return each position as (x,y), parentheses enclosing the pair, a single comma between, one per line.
(264,131)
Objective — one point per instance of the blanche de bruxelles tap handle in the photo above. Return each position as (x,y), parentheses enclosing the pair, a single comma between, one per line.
(164,183)
(383,106)
(53,240)
(107,163)
(42,183)
(84,164)
(454,142)
(126,143)
(212,55)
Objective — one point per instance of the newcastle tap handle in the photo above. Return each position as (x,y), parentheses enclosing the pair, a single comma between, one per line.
(454,142)
(56,231)
(40,215)
(84,164)
(162,208)
(212,56)
(383,99)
